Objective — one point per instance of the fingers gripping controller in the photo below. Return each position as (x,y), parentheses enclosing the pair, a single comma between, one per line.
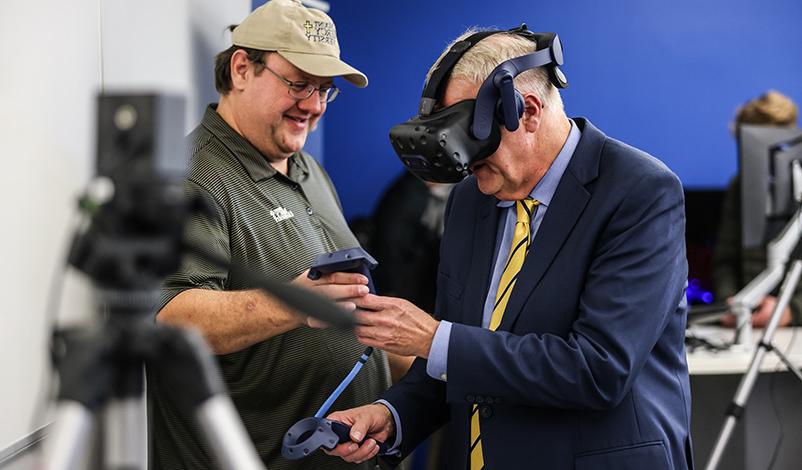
(350,260)
(310,434)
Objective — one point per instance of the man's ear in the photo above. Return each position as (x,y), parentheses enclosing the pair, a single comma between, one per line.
(240,70)
(533,112)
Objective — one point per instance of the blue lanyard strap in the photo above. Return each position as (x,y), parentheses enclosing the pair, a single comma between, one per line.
(346,381)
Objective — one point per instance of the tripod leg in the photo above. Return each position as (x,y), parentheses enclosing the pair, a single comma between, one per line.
(80,357)
(125,414)
(735,409)
(185,366)
(71,433)
(126,434)
(791,367)
(226,434)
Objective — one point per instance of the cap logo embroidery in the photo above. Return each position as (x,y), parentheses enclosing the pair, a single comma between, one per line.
(279,214)
(320,31)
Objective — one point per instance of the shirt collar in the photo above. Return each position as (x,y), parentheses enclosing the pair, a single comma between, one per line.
(251,159)
(545,188)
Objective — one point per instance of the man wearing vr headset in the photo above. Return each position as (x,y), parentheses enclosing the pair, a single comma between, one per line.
(558,341)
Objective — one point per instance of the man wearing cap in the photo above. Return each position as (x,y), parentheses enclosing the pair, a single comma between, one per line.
(275,210)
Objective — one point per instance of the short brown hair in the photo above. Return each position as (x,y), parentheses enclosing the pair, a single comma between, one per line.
(771,108)
(222,65)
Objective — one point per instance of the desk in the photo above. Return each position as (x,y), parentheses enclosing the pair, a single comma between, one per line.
(733,361)
(773,412)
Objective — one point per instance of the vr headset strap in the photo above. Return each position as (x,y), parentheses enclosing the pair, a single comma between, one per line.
(492,87)
(434,89)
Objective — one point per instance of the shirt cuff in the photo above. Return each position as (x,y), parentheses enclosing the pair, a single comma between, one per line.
(437,364)
(394,449)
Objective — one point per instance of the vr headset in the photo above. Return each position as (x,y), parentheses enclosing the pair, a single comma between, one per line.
(441,145)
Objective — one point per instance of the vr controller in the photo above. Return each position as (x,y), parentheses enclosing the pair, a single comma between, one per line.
(350,260)
(310,434)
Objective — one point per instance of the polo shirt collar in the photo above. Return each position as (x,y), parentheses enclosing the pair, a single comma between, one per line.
(255,164)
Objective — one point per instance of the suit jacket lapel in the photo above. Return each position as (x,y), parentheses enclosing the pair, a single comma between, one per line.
(478,279)
(567,205)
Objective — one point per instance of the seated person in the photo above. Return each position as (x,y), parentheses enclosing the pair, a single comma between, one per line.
(734,266)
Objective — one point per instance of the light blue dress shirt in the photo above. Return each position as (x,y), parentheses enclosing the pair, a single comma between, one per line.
(437,365)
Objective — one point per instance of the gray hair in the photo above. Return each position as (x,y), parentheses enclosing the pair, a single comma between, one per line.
(476,64)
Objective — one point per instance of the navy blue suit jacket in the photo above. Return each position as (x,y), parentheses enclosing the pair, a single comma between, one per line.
(587,369)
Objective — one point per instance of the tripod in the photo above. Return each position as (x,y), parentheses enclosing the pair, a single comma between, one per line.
(736,407)
(135,239)
(104,367)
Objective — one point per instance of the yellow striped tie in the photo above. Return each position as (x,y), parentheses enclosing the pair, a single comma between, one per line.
(518,250)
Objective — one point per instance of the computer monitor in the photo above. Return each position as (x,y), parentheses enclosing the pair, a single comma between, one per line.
(785,173)
(766,156)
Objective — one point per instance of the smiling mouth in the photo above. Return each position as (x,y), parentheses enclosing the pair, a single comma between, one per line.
(299,120)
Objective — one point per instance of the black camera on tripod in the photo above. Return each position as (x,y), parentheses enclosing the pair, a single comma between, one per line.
(138,206)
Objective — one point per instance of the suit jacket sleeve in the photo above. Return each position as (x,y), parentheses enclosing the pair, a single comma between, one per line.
(633,287)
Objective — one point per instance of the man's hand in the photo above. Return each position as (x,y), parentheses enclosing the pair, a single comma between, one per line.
(343,288)
(761,317)
(374,421)
(394,325)
(763,314)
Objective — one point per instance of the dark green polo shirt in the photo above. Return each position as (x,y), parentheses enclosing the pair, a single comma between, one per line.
(277,225)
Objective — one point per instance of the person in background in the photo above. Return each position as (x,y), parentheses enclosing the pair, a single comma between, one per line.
(408,226)
(275,210)
(733,265)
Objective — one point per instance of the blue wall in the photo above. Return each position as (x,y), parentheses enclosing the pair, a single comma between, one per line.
(663,76)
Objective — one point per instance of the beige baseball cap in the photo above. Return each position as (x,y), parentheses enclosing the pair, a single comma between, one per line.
(306,37)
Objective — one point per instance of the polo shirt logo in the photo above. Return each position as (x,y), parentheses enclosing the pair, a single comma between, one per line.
(279,214)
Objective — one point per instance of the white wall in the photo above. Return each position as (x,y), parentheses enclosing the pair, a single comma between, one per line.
(52,63)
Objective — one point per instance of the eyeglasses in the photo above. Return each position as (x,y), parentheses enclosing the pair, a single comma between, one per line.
(303,90)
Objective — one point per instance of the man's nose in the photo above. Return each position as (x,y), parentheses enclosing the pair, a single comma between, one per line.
(312,104)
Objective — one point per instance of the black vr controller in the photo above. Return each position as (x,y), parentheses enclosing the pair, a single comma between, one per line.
(310,434)
(441,145)
(350,260)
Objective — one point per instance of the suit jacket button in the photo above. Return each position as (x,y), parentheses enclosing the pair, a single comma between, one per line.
(486,411)
(470,398)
